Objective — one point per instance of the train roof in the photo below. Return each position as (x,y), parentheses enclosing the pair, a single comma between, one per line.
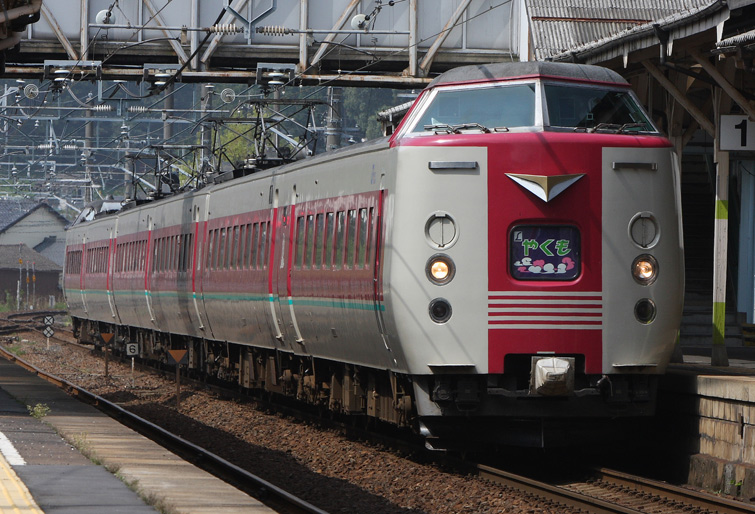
(509,70)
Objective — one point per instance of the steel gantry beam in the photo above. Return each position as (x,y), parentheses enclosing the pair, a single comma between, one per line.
(395,44)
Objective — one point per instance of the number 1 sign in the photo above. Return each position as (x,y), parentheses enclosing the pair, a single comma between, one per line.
(737,133)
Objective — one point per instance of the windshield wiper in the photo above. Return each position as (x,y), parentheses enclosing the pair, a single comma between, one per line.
(463,126)
(605,126)
(445,127)
(456,129)
(630,125)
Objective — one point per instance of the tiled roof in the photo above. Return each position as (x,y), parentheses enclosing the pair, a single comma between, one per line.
(14,209)
(10,254)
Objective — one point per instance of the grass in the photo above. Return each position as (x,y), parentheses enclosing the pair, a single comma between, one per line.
(80,442)
(39,411)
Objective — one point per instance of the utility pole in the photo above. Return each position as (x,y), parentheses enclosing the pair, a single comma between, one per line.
(333,132)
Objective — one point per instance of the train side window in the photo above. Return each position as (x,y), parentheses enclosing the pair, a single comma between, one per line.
(223,241)
(254,245)
(300,231)
(329,231)
(236,248)
(340,238)
(172,241)
(363,241)
(179,261)
(164,263)
(189,251)
(351,239)
(167,253)
(154,255)
(309,242)
(181,251)
(243,248)
(161,261)
(263,245)
(318,238)
(210,249)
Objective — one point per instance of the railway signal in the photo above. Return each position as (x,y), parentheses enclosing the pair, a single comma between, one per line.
(178,357)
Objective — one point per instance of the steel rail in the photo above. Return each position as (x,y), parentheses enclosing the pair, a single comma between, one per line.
(552,493)
(665,492)
(253,485)
(688,496)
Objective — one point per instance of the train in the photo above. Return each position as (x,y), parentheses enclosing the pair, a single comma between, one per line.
(505,268)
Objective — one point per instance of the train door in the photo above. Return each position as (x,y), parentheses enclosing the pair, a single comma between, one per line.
(109,270)
(286,237)
(82,281)
(148,268)
(277,248)
(377,258)
(200,233)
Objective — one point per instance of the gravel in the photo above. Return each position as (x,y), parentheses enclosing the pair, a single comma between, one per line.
(319,465)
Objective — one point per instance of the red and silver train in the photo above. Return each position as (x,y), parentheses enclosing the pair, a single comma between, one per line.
(507,264)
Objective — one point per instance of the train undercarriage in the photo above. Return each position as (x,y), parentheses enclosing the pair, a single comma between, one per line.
(342,388)
(472,411)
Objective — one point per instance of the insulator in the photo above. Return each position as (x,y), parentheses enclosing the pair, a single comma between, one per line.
(69,147)
(274,30)
(102,108)
(137,108)
(225,28)
(45,146)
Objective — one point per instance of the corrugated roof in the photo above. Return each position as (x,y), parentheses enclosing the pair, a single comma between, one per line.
(745,38)
(561,25)
(9,255)
(677,26)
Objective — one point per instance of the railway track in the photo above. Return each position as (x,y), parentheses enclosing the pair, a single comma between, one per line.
(606,491)
(614,492)
(273,496)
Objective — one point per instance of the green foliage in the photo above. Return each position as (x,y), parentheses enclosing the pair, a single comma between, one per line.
(361,105)
(39,411)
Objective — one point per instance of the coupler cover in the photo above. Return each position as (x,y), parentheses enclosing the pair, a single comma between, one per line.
(552,376)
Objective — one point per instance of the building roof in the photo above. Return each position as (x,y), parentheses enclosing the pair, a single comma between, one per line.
(13,210)
(559,26)
(10,254)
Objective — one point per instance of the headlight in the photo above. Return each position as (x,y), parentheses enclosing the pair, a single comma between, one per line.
(440,310)
(645,269)
(440,269)
(644,311)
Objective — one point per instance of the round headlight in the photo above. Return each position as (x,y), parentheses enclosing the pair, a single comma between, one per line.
(440,269)
(645,269)
(440,310)
(644,311)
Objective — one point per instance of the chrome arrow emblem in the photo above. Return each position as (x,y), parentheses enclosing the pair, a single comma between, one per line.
(545,188)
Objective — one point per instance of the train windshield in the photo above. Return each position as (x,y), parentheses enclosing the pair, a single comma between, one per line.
(594,109)
(479,108)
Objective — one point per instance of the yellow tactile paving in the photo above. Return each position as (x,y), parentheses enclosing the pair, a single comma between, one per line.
(14,496)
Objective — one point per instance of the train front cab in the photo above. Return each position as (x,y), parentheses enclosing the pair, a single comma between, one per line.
(582,281)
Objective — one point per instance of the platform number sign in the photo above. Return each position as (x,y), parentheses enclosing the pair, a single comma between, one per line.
(132,349)
(737,133)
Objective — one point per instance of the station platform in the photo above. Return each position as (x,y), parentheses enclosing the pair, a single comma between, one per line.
(708,414)
(42,473)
